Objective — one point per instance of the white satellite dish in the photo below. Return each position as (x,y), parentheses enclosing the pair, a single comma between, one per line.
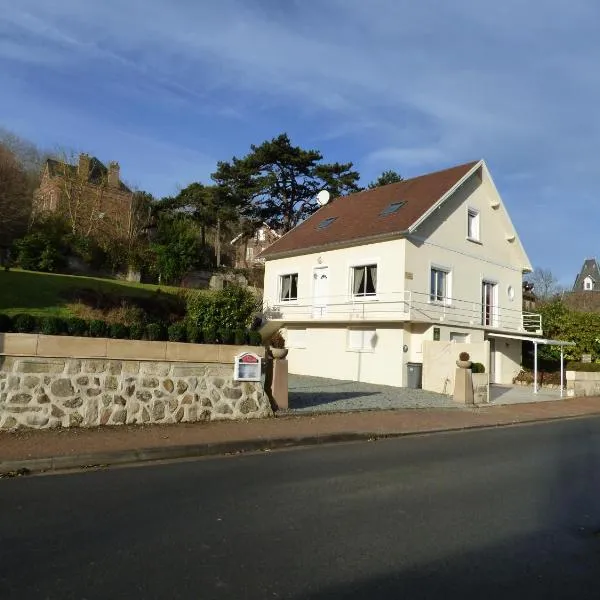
(323,197)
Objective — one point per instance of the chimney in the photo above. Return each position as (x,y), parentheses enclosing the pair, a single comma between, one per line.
(84,167)
(113,174)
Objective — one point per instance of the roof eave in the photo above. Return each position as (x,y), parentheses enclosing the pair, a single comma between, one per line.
(335,245)
(443,198)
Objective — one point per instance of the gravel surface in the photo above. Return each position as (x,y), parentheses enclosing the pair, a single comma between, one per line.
(317,394)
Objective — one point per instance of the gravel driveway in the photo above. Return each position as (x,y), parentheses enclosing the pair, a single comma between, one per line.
(317,394)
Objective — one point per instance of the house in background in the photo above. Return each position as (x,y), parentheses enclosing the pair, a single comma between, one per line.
(588,279)
(362,285)
(247,248)
(90,196)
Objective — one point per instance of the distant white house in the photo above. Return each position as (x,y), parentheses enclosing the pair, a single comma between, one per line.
(368,278)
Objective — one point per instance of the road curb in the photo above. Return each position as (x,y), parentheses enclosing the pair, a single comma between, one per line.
(159,453)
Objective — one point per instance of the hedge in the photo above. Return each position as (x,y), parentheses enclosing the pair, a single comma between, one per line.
(180,331)
(581,366)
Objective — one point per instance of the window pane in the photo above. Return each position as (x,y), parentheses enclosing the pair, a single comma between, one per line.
(294,289)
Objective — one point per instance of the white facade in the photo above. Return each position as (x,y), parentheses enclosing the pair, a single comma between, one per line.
(362,312)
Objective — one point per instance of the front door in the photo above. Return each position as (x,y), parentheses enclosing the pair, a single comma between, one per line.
(320,290)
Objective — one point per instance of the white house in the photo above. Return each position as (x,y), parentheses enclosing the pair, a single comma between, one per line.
(361,285)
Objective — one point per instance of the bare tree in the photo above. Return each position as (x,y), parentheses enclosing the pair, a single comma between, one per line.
(79,187)
(545,284)
(15,197)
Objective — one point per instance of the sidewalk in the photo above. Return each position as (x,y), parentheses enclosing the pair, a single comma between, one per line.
(40,450)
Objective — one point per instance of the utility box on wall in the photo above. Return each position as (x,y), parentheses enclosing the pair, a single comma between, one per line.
(247,366)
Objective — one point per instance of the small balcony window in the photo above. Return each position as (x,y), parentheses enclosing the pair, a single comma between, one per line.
(364,281)
(288,286)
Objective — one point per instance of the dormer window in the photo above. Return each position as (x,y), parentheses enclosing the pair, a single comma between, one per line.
(588,283)
(326,223)
(394,207)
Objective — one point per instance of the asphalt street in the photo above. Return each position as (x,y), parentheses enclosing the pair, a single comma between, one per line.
(498,513)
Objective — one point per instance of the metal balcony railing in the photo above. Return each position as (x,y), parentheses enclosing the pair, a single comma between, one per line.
(404,306)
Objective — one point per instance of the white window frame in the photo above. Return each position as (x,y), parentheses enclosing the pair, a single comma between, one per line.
(364,264)
(366,339)
(280,287)
(261,235)
(249,253)
(473,225)
(588,283)
(465,337)
(495,302)
(447,299)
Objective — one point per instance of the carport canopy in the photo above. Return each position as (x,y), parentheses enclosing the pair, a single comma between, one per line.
(536,341)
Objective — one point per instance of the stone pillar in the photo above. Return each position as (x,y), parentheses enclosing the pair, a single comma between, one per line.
(463,385)
(279,387)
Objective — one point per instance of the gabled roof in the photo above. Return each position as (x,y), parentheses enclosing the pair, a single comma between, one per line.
(248,235)
(98,171)
(358,216)
(589,269)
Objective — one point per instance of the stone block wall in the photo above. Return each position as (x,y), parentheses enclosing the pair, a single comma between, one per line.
(583,383)
(39,392)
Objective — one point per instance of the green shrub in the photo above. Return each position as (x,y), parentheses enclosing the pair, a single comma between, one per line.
(581,366)
(98,328)
(39,251)
(226,336)
(228,309)
(194,333)
(155,332)
(254,338)
(177,332)
(24,323)
(52,326)
(118,331)
(209,335)
(137,331)
(5,323)
(77,327)
(477,367)
(240,337)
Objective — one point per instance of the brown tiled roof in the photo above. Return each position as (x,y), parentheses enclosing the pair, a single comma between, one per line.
(358,216)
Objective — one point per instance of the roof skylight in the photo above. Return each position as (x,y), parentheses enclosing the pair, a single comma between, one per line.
(326,222)
(392,208)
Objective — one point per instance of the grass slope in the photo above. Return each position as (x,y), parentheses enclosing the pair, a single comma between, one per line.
(40,293)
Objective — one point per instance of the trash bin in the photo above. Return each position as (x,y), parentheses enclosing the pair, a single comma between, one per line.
(414,379)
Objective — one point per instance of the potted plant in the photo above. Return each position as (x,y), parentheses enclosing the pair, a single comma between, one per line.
(464,361)
(277,346)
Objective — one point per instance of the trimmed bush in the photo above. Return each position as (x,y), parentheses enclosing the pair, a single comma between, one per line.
(177,332)
(52,326)
(155,332)
(194,333)
(118,331)
(584,367)
(23,323)
(209,335)
(98,328)
(5,323)
(137,331)
(77,327)
(477,367)
(240,337)
(464,356)
(226,336)
(254,338)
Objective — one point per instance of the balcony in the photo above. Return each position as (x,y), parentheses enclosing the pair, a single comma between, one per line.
(405,306)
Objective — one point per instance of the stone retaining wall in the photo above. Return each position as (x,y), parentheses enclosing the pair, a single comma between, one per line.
(41,392)
(583,383)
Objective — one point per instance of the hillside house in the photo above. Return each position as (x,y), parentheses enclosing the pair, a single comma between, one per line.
(361,285)
(90,196)
(248,248)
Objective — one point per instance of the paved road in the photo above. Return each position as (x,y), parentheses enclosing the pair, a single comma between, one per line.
(505,513)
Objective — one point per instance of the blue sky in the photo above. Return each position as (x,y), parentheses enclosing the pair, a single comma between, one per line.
(169,88)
